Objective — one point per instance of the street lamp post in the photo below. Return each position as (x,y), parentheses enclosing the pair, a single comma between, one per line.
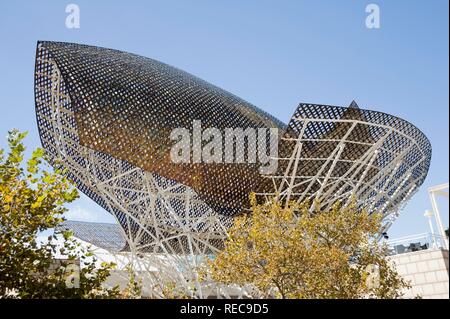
(433,191)
(429,214)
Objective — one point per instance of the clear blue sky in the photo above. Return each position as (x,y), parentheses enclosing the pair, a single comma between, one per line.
(274,54)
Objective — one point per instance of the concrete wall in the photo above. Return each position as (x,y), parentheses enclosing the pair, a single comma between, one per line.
(427,271)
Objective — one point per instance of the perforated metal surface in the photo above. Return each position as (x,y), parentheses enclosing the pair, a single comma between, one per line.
(340,152)
(126,106)
(103,235)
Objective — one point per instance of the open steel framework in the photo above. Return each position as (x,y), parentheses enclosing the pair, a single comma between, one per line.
(106,116)
(336,153)
(433,192)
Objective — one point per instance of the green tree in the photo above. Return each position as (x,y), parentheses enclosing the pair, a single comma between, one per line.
(288,252)
(32,198)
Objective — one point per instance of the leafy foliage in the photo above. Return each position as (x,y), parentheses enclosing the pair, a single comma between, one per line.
(32,200)
(289,252)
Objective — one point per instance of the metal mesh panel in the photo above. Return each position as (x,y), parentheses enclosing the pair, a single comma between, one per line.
(102,235)
(126,106)
(330,153)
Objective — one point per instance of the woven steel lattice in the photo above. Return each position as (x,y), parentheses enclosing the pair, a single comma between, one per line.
(103,235)
(126,106)
(332,153)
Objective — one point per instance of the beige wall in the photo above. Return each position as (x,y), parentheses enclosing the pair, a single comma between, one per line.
(427,271)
